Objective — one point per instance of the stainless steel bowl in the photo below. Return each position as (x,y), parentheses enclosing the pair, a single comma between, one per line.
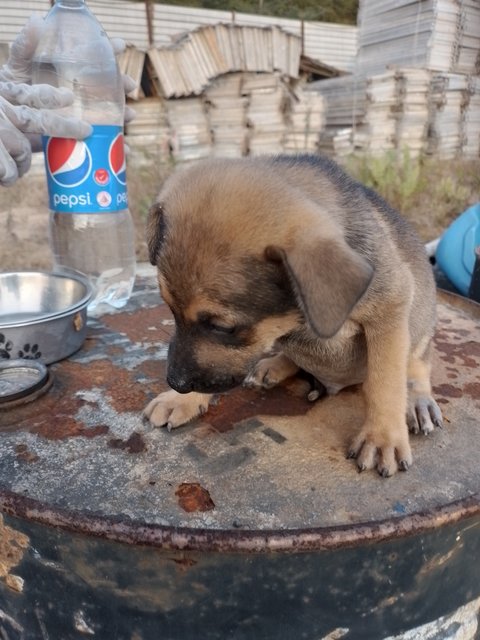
(43,316)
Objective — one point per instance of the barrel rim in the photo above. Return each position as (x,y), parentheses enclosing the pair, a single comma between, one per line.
(137,532)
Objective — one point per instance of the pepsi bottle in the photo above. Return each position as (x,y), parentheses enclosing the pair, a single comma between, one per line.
(90,228)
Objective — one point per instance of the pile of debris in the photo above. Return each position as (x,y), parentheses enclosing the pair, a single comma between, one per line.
(224,90)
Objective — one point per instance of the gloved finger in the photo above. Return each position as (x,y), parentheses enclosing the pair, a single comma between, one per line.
(8,168)
(39,96)
(19,64)
(46,122)
(129,83)
(118,45)
(129,114)
(35,140)
(15,153)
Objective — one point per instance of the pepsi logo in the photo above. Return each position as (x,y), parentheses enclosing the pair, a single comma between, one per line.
(116,159)
(69,161)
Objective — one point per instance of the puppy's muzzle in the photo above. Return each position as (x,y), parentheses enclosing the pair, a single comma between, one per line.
(185,374)
(187,382)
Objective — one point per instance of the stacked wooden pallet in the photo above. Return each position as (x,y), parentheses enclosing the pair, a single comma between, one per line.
(397,112)
(148,134)
(455,116)
(131,62)
(344,110)
(238,114)
(226,110)
(471,133)
(468,55)
(306,118)
(190,137)
(266,103)
(413,87)
(381,110)
(441,35)
(187,66)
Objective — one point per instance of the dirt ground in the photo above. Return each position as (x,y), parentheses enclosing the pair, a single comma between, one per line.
(24,222)
(429,193)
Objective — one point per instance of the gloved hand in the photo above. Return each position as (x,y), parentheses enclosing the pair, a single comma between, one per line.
(35,117)
(27,109)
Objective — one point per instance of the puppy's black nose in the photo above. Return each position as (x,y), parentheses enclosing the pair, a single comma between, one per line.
(182,385)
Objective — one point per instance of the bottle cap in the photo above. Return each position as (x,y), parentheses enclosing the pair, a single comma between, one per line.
(23,380)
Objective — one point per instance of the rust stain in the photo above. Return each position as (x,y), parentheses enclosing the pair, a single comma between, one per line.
(143,325)
(59,427)
(119,384)
(23,453)
(154,369)
(193,497)
(184,562)
(448,390)
(472,389)
(134,444)
(240,404)
(52,416)
(468,353)
(13,545)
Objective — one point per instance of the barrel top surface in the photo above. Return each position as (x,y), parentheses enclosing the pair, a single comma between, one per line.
(262,466)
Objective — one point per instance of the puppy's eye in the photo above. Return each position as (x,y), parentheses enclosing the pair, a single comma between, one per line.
(215,325)
(221,328)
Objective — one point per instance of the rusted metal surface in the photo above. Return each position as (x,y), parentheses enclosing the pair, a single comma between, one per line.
(270,466)
(74,582)
(248,524)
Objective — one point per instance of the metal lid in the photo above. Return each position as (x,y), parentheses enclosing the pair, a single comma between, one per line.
(20,378)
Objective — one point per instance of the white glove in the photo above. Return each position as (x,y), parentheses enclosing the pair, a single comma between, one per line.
(27,109)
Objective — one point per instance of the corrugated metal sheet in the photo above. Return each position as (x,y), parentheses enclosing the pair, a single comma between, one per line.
(333,44)
(14,14)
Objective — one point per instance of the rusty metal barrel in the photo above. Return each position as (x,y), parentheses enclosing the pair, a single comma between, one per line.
(247,524)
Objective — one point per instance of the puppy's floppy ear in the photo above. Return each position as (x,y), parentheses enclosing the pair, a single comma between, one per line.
(328,278)
(155,231)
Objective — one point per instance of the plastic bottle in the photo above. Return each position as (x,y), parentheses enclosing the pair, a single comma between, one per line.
(91,229)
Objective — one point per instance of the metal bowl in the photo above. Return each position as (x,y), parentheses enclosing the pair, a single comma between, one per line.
(43,316)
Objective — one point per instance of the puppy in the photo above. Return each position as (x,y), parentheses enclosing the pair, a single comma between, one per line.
(274,264)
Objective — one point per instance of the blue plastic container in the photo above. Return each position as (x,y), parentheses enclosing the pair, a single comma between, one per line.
(455,253)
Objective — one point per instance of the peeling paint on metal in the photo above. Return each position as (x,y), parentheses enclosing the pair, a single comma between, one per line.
(81,625)
(461,625)
(337,634)
(13,545)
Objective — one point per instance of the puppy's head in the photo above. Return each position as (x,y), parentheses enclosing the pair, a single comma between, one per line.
(243,260)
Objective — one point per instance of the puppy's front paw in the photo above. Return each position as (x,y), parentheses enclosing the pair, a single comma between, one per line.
(423,414)
(386,449)
(269,372)
(171,409)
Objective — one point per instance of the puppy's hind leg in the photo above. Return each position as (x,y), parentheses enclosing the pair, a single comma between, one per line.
(172,409)
(423,413)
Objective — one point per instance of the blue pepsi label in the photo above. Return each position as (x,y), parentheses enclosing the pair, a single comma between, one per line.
(87,176)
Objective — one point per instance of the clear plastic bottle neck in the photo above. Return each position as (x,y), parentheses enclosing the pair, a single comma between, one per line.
(71,4)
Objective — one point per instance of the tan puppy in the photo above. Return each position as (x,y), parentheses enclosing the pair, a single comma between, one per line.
(288,257)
